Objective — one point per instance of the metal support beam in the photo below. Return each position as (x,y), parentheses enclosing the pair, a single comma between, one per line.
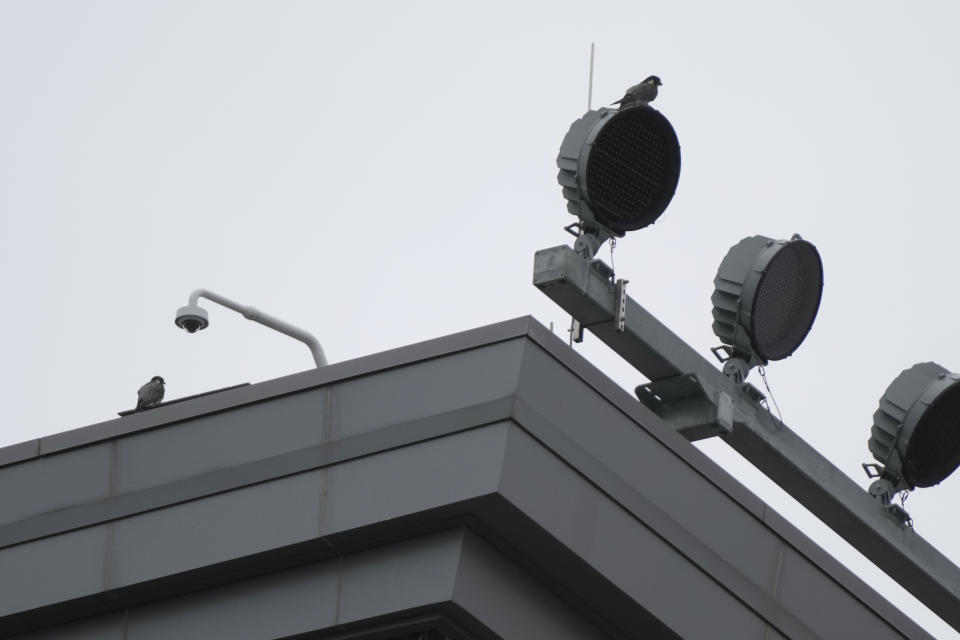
(590,297)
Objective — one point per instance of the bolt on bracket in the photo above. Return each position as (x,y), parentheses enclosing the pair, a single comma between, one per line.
(620,314)
(689,405)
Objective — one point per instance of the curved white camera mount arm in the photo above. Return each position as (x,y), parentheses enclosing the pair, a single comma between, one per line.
(193,318)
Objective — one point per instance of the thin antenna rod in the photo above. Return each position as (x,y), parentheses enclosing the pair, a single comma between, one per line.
(590,83)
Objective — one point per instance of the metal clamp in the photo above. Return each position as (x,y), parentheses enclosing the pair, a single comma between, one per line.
(620,296)
(576,331)
(692,408)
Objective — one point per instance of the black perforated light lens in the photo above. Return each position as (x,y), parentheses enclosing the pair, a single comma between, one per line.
(916,428)
(619,169)
(933,452)
(632,170)
(766,296)
(786,300)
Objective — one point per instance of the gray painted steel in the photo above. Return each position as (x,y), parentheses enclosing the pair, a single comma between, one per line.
(490,484)
(762,439)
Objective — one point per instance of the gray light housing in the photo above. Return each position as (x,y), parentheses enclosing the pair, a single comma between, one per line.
(916,429)
(766,296)
(619,169)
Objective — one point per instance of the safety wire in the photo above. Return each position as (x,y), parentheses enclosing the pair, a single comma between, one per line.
(763,376)
(903,495)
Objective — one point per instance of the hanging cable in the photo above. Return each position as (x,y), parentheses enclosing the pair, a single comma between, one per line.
(763,376)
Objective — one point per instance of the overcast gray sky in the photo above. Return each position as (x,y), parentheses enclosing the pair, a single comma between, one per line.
(381,173)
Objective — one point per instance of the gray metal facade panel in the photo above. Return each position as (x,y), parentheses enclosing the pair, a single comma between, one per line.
(145,420)
(220,440)
(713,519)
(644,419)
(403,576)
(841,575)
(218,528)
(317,457)
(511,602)
(107,627)
(668,481)
(273,606)
(245,395)
(624,550)
(54,482)
(17,452)
(428,387)
(832,612)
(54,569)
(453,572)
(415,478)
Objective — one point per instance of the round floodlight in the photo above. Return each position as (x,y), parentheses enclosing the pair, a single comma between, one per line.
(619,169)
(916,429)
(766,297)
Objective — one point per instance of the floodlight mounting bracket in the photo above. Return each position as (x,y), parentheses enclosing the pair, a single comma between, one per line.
(736,363)
(589,237)
(886,483)
(694,408)
(762,439)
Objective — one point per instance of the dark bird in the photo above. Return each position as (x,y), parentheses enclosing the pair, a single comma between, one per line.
(150,394)
(640,94)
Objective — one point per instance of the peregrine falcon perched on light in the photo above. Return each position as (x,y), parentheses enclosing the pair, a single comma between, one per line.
(640,95)
(150,394)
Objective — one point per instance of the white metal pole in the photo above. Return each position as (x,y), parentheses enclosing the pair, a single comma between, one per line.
(254,314)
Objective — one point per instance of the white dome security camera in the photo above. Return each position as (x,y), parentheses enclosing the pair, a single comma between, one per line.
(192,318)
